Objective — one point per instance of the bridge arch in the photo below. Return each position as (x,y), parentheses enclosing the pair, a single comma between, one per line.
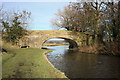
(37,38)
(72,43)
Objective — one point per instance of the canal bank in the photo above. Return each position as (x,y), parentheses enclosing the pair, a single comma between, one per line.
(57,71)
(28,63)
(108,49)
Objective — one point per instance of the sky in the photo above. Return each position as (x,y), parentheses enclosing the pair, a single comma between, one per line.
(42,12)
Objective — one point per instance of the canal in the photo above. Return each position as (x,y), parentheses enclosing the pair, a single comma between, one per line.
(82,65)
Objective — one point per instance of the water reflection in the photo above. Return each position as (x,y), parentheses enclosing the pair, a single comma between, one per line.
(80,65)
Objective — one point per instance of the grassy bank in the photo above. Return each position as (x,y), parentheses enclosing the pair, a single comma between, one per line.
(27,63)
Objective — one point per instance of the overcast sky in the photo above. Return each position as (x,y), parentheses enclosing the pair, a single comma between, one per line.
(42,12)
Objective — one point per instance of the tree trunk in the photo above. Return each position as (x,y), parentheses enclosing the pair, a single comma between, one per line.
(87,40)
(119,12)
(118,22)
(93,40)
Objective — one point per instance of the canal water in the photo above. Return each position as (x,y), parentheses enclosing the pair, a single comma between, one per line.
(82,65)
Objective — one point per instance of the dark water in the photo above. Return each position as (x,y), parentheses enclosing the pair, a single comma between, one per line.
(81,65)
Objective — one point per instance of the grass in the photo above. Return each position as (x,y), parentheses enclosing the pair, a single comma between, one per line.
(6,57)
(28,63)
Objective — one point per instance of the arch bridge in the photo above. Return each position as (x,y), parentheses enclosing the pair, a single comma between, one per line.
(37,38)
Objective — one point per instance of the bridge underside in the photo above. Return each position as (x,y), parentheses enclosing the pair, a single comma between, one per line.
(72,43)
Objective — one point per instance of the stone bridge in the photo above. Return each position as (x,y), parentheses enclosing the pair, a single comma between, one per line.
(37,38)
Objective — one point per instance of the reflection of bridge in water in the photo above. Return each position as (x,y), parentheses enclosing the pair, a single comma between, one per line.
(37,38)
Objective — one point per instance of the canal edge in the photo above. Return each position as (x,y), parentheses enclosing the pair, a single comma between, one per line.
(53,65)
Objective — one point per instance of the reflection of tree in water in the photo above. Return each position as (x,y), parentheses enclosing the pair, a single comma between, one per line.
(70,55)
(71,51)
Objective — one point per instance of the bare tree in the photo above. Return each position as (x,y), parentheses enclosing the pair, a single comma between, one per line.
(14,24)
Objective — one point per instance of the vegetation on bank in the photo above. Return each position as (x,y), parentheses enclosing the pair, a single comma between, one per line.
(102,49)
(27,63)
(14,27)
